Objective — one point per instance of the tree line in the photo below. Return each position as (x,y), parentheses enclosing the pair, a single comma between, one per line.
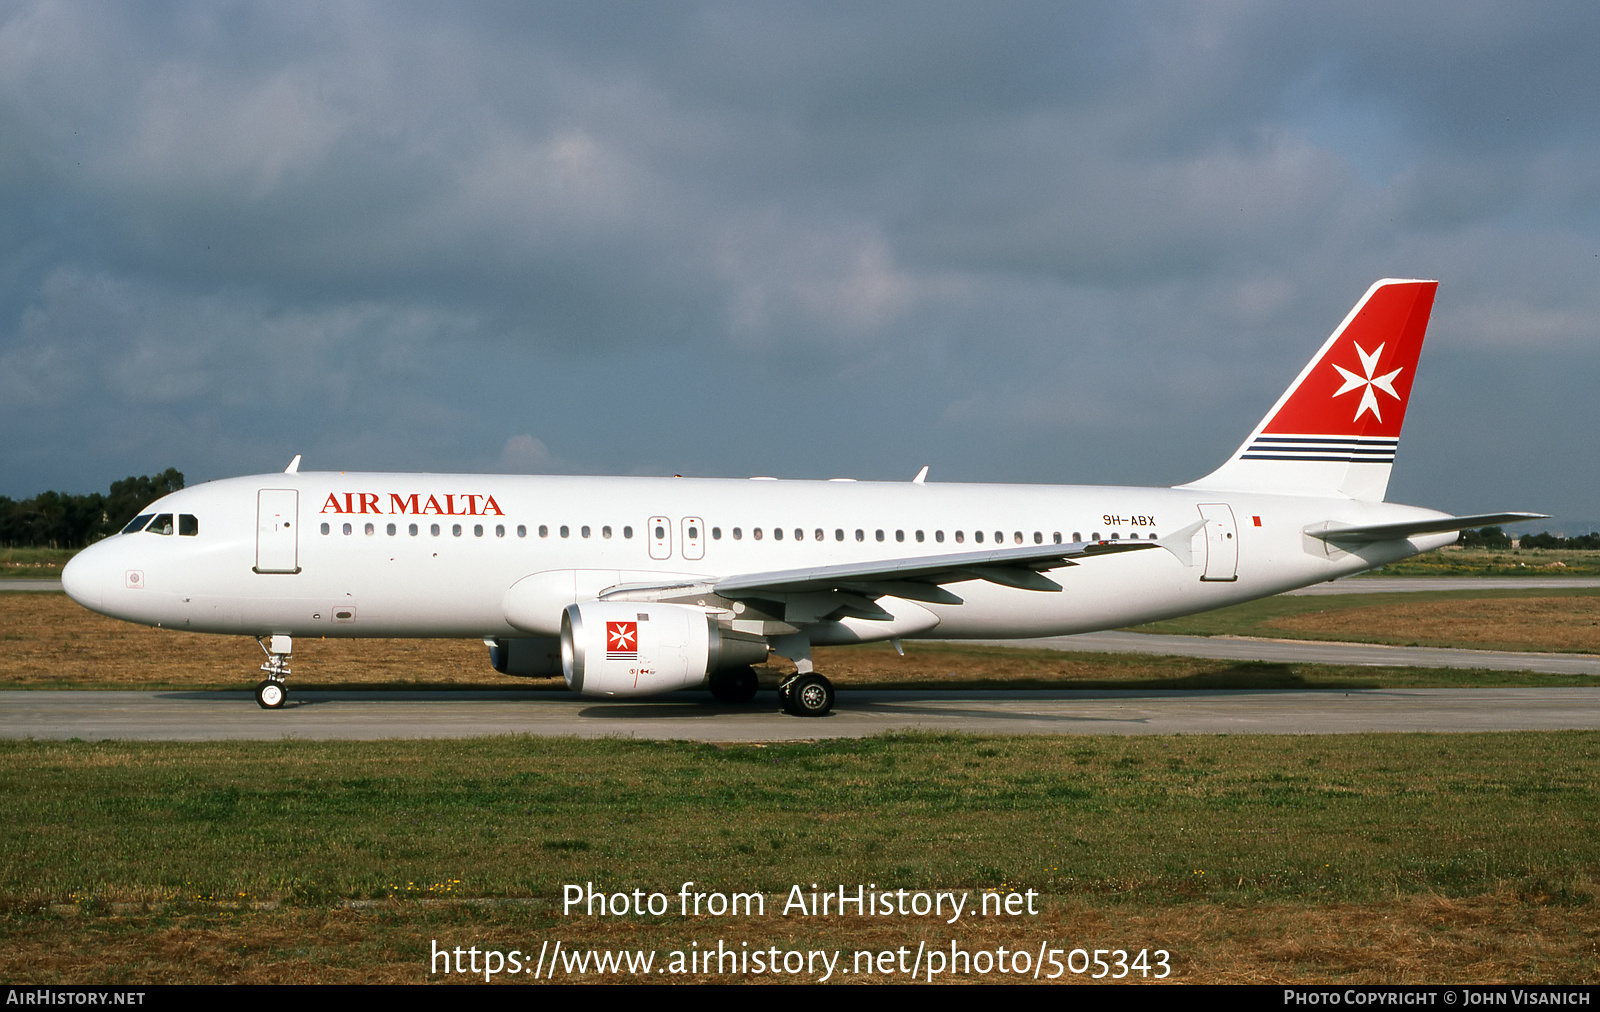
(62,520)
(1494,537)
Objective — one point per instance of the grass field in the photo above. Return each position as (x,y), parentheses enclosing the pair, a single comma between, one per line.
(1453,561)
(41,563)
(1538,620)
(1347,858)
(1362,858)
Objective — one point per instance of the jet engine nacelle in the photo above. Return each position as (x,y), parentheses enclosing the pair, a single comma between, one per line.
(625,648)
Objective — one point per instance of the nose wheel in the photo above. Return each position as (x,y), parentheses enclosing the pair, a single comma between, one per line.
(273,692)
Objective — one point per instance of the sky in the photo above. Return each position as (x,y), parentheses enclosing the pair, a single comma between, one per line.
(1042,243)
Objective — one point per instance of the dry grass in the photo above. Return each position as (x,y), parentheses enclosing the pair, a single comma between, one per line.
(48,641)
(1555,623)
(1420,939)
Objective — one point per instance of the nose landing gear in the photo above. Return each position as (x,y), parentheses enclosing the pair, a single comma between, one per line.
(273,691)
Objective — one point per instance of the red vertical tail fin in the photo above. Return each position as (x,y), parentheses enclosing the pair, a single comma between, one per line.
(1335,430)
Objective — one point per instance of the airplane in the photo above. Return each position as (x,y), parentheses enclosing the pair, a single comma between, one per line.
(639,586)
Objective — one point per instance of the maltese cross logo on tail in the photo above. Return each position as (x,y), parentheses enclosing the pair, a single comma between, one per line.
(1369,366)
(1358,385)
(622,641)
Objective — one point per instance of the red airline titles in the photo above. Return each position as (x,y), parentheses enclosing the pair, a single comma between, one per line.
(471,505)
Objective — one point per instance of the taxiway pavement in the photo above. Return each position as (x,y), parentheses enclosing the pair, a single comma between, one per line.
(213,716)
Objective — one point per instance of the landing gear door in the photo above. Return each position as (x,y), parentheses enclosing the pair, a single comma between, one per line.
(1222,543)
(277,530)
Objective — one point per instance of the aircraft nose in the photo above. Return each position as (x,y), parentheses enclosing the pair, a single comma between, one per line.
(84,578)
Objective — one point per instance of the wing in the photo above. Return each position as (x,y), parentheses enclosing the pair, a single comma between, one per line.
(850,589)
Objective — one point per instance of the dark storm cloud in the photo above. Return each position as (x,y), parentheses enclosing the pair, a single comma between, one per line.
(1019,242)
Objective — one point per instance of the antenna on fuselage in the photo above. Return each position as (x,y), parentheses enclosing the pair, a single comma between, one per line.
(922,476)
(294,466)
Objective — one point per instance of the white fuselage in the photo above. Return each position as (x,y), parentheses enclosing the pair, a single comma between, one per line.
(349,565)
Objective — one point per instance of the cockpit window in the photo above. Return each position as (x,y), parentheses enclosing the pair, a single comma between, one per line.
(189,525)
(137,523)
(160,525)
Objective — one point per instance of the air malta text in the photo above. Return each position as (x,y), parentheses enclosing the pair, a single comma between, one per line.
(458,505)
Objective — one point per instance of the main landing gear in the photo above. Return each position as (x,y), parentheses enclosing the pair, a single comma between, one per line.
(273,691)
(806,694)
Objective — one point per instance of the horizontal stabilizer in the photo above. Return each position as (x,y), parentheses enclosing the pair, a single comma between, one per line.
(1368,533)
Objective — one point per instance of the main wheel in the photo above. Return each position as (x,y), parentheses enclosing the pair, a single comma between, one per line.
(809,696)
(737,685)
(271,695)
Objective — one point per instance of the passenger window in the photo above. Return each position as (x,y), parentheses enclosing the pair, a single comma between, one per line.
(391,530)
(584,530)
(661,532)
(371,530)
(160,525)
(325,528)
(1017,538)
(544,530)
(627,532)
(477,530)
(938,536)
(919,536)
(1076,537)
(838,534)
(899,535)
(960,537)
(694,532)
(348,529)
(522,530)
(999,537)
(137,523)
(756,534)
(433,529)
(1095,536)
(777,533)
(1057,536)
(799,535)
(977,536)
(605,532)
(455,530)
(820,535)
(565,531)
(499,530)
(188,525)
(879,534)
(737,534)
(861,535)
(412,530)
(716,534)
